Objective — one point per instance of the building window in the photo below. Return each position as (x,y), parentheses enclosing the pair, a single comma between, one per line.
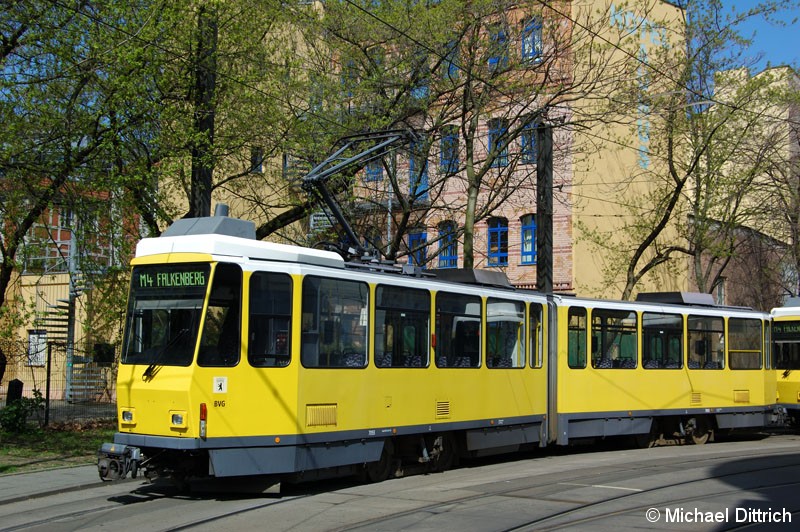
(498,149)
(451,60)
(498,242)
(719,290)
(37,347)
(448,245)
(528,230)
(256,160)
(374,171)
(528,143)
(293,168)
(498,49)
(416,248)
(532,40)
(418,172)
(448,150)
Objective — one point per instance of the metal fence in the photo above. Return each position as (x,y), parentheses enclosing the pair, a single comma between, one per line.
(77,384)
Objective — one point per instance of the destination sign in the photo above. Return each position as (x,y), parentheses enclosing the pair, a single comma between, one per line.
(171,279)
(785,329)
(175,277)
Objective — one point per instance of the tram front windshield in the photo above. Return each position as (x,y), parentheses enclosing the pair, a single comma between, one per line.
(164,309)
(786,344)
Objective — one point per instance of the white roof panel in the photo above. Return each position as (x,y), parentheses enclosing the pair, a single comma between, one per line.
(238,247)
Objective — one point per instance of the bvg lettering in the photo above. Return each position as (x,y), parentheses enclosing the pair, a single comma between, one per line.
(219,404)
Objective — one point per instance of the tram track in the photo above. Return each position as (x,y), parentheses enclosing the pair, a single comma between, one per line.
(585,481)
(544,484)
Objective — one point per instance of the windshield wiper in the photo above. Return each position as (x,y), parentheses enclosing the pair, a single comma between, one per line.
(150,372)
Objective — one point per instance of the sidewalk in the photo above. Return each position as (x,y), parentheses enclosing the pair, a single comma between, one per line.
(23,486)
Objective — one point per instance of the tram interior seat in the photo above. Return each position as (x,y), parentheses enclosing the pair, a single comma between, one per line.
(604,363)
(353,359)
(711,364)
(626,363)
(672,364)
(413,361)
(693,364)
(457,362)
(500,362)
(652,364)
(385,360)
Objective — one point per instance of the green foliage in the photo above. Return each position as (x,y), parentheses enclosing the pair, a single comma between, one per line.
(14,417)
(54,446)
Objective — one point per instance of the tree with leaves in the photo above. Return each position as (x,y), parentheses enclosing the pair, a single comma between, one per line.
(702,152)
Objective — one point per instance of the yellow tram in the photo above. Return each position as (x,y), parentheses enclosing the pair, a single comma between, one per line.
(786,357)
(243,358)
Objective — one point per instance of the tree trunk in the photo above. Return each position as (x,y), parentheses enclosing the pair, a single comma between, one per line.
(204,111)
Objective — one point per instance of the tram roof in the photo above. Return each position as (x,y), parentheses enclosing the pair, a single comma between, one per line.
(231,246)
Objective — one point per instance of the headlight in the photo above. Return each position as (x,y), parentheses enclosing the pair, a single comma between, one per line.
(177,419)
(127,416)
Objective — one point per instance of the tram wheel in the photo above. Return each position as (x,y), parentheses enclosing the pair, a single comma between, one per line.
(382,469)
(700,433)
(447,457)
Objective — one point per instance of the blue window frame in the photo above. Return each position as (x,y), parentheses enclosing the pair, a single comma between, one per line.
(527,142)
(532,40)
(417,172)
(417,256)
(421,72)
(498,128)
(498,242)
(373,171)
(448,245)
(528,233)
(448,150)
(451,60)
(349,78)
(498,49)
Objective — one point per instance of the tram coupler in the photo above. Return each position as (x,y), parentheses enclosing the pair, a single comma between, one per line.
(115,461)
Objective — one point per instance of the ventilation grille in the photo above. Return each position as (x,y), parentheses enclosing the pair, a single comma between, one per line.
(442,409)
(741,396)
(697,398)
(321,415)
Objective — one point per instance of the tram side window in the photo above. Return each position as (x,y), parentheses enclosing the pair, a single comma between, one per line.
(614,339)
(706,342)
(576,338)
(662,341)
(220,341)
(402,327)
(458,331)
(536,335)
(786,344)
(505,333)
(269,335)
(745,343)
(334,323)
